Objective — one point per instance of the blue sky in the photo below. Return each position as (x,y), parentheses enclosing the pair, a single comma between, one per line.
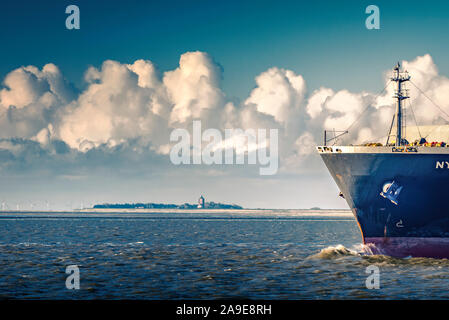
(325,41)
(307,44)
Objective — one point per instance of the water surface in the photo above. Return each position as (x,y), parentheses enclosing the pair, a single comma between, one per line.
(257,255)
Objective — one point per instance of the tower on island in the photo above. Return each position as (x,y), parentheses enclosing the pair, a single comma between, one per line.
(201,202)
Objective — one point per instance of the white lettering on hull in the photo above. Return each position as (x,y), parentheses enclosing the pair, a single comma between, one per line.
(442,165)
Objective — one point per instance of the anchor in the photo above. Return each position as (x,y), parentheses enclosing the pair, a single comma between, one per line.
(390,191)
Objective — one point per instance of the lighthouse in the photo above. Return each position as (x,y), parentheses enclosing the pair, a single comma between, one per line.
(201,202)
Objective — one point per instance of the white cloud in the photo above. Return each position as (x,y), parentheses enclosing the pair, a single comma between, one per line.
(316,101)
(133,104)
(23,87)
(278,92)
(121,102)
(26,85)
(125,102)
(193,87)
(30,100)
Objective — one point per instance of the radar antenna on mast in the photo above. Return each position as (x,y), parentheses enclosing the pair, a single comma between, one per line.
(400,94)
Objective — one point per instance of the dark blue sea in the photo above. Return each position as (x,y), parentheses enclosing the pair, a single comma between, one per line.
(274,254)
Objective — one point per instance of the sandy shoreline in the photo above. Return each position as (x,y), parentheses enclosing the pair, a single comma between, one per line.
(255,212)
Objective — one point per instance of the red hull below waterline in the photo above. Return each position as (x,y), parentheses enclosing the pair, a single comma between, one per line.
(402,247)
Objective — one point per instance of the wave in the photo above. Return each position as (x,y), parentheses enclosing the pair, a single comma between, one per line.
(370,254)
(332,252)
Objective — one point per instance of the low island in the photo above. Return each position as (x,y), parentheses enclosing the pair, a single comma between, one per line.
(200,205)
(208,205)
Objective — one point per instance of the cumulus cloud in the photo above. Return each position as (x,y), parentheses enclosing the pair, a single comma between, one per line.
(278,93)
(30,100)
(425,76)
(134,107)
(117,106)
(369,114)
(125,102)
(193,87)
(316,101)
(22,88)
(27,85)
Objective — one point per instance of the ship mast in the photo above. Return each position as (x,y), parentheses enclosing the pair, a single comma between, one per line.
(400,94)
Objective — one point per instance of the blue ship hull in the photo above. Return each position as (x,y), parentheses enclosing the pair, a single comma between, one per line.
(400,200)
